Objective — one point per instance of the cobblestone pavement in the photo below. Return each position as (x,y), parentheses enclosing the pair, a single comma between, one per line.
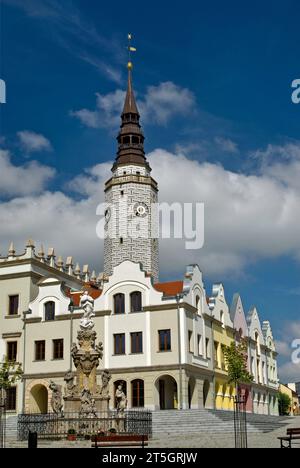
(202,440)
(260,440)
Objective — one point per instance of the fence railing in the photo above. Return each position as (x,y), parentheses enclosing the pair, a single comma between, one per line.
(51,426)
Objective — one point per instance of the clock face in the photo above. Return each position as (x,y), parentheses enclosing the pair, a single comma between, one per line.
(141,210)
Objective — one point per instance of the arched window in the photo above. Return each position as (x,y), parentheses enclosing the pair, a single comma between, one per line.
(223,318)
(198,304)
(136,301)
(138,399)
(119,304)
(49,311)
(257,343)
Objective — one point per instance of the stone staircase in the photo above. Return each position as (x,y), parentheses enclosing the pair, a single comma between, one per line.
(11,427)
(210,421)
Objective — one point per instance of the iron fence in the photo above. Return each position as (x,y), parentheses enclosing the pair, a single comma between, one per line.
(52,426)
(240,422)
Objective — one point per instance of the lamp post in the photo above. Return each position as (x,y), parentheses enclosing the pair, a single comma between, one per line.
(71,310)
(178,298)
(25,313)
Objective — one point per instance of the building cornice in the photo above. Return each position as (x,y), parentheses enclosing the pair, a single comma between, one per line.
(6,336)
(128,370)
(129,179)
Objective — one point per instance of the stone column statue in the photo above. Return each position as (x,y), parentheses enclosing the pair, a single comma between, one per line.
(56,400)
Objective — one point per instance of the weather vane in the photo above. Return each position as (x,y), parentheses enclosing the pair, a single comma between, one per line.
(130,50)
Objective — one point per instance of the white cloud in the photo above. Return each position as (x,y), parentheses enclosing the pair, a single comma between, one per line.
(288,370)
(32,142)
(22,180)
(160,104)
(227,145)
(247,217)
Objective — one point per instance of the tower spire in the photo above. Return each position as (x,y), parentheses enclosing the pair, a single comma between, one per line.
(131,138)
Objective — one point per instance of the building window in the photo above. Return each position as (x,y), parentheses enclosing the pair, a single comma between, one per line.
(58,349)
(199,345)
(119,304)
(216,347)
(49,311)
(11,399)
(207,348)
(13,307)
(40,348)
(12,349)
(136,343)
(198,305)
(136,301)
(138,398)
(190,338)
(119,344)
(222,318)
(164,340)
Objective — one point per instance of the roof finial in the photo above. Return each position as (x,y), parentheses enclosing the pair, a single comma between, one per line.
(130,50)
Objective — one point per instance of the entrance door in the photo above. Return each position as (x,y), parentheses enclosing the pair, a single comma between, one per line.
(162,395)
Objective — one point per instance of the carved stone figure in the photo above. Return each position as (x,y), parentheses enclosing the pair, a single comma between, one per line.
(56,400)
(70,388)
(87,304)
(121,400)
(106,377)
(88,407)
(100,350)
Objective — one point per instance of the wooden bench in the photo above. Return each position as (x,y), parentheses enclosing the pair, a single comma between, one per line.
(292,434)
(120,441)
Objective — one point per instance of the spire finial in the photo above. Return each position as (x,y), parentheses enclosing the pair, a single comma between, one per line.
(130,50)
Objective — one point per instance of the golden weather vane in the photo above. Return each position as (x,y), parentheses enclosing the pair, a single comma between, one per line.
(130,50)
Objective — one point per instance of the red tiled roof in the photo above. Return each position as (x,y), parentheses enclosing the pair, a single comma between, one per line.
(75,296)
(170,289)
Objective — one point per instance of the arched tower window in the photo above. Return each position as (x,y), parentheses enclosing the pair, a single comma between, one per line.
(119,304)
(49,309)
(136,301)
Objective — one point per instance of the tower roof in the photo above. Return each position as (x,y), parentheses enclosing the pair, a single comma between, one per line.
(130,138)
(130,106)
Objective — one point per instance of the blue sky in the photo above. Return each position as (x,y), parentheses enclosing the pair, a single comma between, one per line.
(213,81)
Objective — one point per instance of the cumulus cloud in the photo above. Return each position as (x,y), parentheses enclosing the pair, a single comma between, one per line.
(247,217)
(32,142)
(289,371)
(30,178)
(160,104)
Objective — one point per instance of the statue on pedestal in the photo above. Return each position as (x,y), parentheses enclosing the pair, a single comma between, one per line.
(86,397)
(121,400)
(56,400)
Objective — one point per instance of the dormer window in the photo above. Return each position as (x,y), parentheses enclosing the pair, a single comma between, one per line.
(49,309)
